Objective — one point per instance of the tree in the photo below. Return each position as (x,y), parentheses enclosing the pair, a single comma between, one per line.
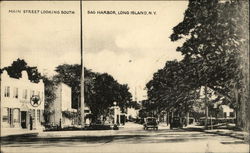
(215,36)
(18,66)
(106,92)
(133,104)
(173,88)
(100,90)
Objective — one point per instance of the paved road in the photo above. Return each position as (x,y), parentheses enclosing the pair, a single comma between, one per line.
(132,139)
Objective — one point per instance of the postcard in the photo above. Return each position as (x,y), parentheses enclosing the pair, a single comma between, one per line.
(124,76)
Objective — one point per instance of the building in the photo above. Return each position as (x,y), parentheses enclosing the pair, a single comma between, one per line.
(219,110)
(22,102)
(226,112)
(132,113)
(63,114)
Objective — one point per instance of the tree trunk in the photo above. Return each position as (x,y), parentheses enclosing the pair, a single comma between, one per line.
(206,110)
(239,110)
(187,119)
(167,118)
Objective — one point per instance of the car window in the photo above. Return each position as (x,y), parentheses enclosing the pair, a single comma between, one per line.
(152,120)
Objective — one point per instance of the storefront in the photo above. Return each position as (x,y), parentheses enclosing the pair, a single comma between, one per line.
(18,106)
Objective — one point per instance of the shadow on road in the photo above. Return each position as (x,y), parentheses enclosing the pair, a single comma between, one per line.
(157,137)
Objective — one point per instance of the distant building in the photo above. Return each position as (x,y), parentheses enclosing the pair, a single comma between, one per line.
(63,114)
(226,112)
(132,113)
(22,102)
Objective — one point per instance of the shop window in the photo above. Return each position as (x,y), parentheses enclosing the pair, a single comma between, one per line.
(25,94)
(16,115)
(15,92)
(7,91)
(5,114)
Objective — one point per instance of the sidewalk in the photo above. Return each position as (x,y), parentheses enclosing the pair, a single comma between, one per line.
(6,132)
(224,132)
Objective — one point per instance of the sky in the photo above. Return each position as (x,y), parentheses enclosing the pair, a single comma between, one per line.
(129,47)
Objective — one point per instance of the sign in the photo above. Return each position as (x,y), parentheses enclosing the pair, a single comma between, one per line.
(35,101)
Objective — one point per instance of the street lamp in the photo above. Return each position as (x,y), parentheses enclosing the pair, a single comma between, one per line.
(115,112)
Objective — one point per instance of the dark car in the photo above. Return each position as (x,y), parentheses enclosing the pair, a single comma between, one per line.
(176,123)
(98,125)
(150,122)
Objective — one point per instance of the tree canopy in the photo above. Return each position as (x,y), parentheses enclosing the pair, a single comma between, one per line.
(173,87)
(15,69)
(215,55)
(100,90)
(214,38)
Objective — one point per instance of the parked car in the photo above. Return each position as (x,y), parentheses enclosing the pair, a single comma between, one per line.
(98,125)
(176,123)
(150,122)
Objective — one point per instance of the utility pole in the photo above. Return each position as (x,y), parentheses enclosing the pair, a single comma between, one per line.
(82,75)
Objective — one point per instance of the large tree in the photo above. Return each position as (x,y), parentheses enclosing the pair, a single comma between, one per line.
(173,88)
(107,91)
(15,69)
(217,35)
(100,90)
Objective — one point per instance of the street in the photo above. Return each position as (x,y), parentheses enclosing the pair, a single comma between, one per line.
(131,138)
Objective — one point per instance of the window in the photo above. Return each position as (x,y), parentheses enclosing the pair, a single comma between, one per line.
(16,115)
(25,94)
(5,114)
(15,92)
(7,91)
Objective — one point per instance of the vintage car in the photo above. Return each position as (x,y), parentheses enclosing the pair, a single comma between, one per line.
(150,122)
(176,122)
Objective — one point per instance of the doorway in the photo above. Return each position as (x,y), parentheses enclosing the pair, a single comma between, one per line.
(24,119)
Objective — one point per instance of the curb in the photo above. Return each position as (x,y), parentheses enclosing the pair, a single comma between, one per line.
(20,135)
(225,134)
(217,133)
